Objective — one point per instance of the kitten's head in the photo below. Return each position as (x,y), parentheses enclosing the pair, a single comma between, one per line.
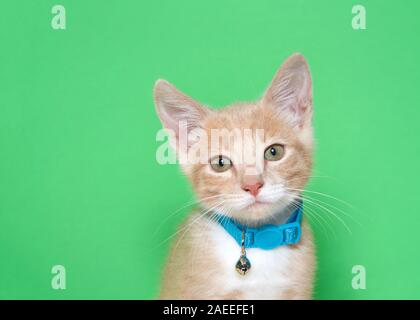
(254,158)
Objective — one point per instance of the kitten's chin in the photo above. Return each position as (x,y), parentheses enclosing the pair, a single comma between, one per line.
(259,213)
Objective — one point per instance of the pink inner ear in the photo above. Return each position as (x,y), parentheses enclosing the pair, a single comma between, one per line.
(291,90)
(174,107)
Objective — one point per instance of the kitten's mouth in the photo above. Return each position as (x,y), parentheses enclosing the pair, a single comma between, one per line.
(258,203)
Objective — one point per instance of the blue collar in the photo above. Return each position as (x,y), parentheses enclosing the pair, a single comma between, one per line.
(266,237)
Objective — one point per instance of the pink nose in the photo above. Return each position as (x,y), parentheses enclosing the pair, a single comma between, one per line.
(253,188)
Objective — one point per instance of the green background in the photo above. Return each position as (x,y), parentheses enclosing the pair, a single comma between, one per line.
(79,183)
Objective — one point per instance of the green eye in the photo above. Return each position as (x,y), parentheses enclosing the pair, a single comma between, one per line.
(274,152)
(220,163)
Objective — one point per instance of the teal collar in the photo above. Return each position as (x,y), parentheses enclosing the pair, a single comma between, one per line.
(268,236)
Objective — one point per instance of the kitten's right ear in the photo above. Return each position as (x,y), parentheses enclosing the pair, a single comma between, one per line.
(176,109)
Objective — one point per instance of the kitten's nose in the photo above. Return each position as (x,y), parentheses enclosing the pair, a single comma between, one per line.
(253,188)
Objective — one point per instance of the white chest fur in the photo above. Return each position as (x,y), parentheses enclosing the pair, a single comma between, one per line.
(271,270)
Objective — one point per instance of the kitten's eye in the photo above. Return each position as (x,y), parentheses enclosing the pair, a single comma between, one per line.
(274,152)
(220,163)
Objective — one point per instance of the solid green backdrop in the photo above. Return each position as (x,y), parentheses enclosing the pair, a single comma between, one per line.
(79,182)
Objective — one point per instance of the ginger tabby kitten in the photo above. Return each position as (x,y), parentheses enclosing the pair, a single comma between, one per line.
(263,191)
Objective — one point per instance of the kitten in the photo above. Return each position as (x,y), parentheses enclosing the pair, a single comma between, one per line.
(253,194)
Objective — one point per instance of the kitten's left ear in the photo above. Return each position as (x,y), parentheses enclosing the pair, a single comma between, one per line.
(290,92)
